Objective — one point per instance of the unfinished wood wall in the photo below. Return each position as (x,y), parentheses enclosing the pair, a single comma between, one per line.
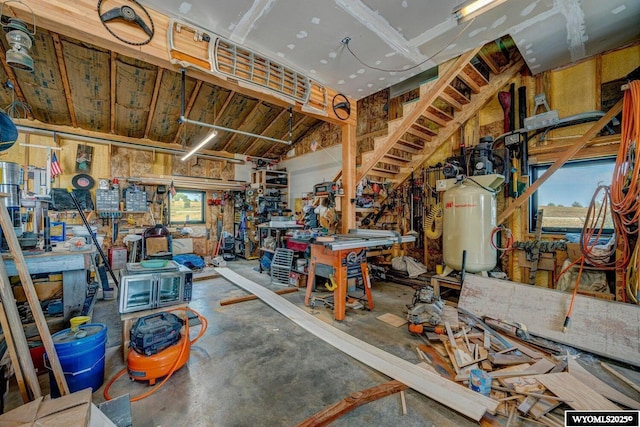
(114,161)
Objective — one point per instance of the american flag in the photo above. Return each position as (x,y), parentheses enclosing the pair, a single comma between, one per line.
(172,189)
(56,169)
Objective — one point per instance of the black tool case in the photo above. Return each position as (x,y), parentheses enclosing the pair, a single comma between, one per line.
(152,334)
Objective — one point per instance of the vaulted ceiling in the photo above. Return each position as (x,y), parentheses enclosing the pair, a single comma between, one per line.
(87,81)
(77,85)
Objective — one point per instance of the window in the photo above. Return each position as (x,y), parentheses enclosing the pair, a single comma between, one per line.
(187,207)
(566,195)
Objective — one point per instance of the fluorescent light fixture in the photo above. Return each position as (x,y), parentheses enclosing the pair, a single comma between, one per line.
(470,10)
(204,142)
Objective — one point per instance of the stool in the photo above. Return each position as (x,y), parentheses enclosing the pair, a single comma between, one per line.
(133,250)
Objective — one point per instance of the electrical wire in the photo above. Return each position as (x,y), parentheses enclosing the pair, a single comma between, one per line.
(185,342)
(567,319)
(625,191)
(347,40)
(632,276)
(625,188)
(510,239)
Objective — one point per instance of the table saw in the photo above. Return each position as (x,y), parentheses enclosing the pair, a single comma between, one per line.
(343,256)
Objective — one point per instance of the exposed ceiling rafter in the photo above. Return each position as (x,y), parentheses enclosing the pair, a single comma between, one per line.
(244,122)
(154,101)
(65,78)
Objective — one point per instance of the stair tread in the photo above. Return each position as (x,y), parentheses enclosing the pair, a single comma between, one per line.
(451,101)
(440,113)
(422,131)
(455,94)
(435,118)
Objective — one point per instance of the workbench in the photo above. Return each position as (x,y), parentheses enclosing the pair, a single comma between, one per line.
(346,256)
(72,264)
(278,232)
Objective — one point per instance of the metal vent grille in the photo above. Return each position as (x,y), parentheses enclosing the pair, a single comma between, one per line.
(245,65)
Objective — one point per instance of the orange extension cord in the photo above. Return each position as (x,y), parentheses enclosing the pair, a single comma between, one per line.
(186,342)
(625,189)
(624,198)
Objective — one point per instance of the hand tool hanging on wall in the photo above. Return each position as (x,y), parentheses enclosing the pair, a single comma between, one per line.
(94,238)
(507,102)
(524,144)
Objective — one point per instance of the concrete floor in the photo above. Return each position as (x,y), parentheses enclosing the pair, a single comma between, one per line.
(255,367)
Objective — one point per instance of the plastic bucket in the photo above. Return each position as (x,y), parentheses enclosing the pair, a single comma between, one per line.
(81,356)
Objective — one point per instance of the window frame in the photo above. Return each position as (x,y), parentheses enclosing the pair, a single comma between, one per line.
(203,200)
(537,170)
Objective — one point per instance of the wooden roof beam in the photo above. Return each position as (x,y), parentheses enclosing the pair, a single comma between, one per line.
(114,79)
(78,19)
(264,132)
(244,122)
(65,78)
(294,128)
(154,101)
(187,110)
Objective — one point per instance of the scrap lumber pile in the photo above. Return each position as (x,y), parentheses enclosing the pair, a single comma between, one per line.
(527,375)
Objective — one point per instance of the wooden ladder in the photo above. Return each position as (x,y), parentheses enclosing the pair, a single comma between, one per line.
(428,123)
(12,326)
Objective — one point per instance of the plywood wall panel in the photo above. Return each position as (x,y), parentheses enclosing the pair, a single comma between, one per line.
(141,163)
(373,113)
(198,167)
(179,167)
(324,135)
(120,161)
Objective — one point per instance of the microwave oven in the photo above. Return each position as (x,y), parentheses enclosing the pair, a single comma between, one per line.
(144,288)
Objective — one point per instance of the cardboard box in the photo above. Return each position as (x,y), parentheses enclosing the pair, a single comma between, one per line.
(72,410)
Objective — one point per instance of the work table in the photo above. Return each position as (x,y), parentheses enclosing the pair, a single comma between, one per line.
(72,264)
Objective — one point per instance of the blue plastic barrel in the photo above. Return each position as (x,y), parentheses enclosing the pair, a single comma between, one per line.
(81,356)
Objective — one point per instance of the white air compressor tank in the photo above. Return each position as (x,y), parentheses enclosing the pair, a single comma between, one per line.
(469,219)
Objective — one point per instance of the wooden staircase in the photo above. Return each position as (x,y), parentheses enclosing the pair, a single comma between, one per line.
(426,124)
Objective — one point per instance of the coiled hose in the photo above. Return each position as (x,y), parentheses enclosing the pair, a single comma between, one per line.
(433,224)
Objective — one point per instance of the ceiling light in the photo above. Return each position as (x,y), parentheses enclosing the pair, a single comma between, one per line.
(20,39)
(202,143)
(470,10)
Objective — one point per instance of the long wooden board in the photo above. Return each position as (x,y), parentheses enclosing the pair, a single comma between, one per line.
(354,400)
(455,396)
(603,327)
(623,375)
(578,395)
(581,374)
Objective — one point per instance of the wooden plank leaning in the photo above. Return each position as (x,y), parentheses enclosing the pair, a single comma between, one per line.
(32,298)
(16,340)
(457,397)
